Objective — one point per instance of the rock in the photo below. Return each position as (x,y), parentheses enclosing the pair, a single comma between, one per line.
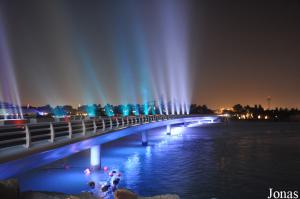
(9,189)
(119,194)
(125,194)
(53,195)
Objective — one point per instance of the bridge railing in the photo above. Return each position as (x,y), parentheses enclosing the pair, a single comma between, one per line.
(29,134)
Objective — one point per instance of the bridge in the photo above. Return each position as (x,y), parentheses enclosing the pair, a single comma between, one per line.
(26,146)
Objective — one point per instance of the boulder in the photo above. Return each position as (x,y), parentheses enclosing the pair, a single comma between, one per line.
(125,194)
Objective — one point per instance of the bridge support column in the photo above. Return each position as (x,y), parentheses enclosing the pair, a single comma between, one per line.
(96,157)
(144,138)
(168,129)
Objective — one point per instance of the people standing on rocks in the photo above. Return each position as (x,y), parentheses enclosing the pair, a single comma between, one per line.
(106,190)
(114,179)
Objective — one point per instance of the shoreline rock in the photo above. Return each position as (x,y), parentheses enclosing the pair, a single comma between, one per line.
(55,195)
(10,189)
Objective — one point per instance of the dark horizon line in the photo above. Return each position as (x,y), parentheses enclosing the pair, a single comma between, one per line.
(102,105)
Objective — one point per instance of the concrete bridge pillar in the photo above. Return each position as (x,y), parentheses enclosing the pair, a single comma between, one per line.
(168,129)
(144,138)
(96,157)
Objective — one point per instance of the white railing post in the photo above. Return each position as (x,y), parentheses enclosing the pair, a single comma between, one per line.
(103,125)
(110,122)
(70,129)
(52,136)
(123,123)
(127,121)
(95,125)
(117,120)
(28,137)
(83,127)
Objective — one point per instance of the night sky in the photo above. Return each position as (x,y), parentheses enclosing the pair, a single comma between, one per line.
(237,51)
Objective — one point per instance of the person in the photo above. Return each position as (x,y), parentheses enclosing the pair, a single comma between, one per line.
(115,183)
(108,188)
(93,191)
(105,187)
(92,184)
(114,180)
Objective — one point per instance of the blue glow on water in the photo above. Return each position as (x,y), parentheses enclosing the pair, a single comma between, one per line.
(127,156)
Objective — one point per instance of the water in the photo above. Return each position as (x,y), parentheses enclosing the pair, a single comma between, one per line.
(242,160)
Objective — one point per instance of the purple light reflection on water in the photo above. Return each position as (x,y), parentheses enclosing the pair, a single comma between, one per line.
(127,155)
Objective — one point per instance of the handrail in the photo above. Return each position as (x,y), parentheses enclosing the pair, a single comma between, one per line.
(14,135)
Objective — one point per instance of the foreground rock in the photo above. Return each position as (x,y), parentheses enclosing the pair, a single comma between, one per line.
(10,189)
(120,194)
(126,194)
(53,195)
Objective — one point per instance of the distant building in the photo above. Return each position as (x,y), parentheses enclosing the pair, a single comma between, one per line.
(8,110)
